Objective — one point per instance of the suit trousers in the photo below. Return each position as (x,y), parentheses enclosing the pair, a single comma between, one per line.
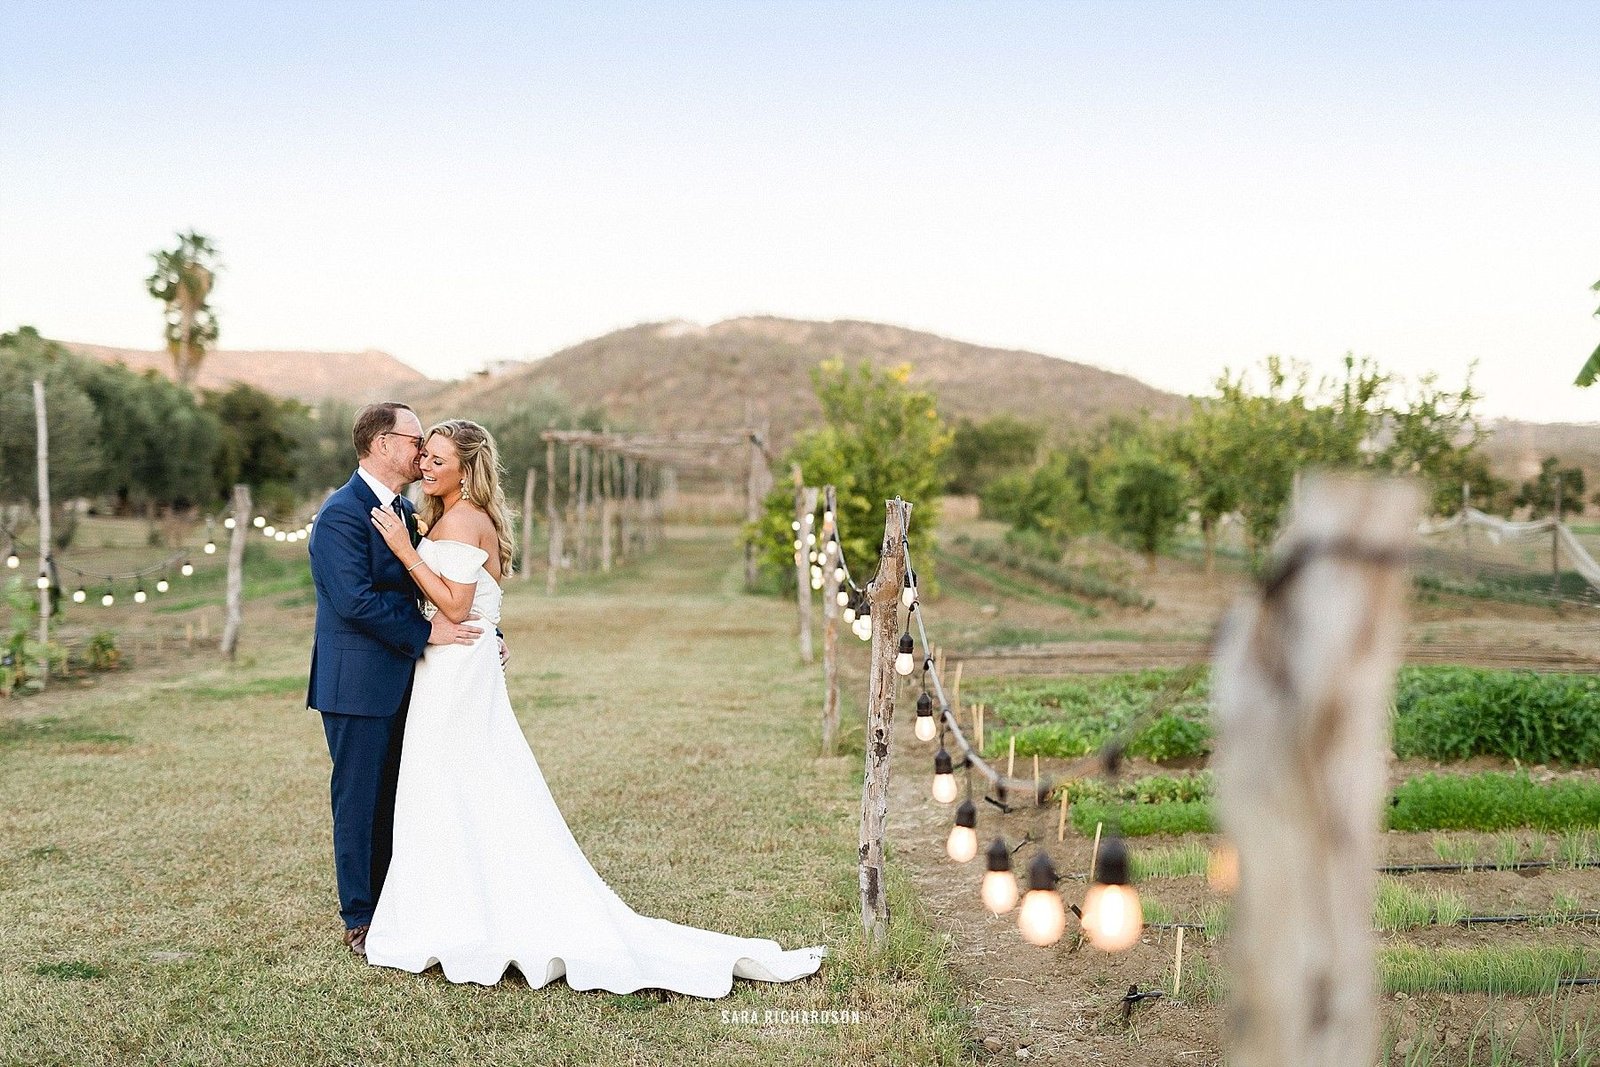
(366,767)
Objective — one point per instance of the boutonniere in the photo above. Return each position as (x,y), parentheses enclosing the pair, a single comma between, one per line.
(422,527)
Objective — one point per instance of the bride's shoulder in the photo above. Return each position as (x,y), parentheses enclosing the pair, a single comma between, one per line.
(464,522)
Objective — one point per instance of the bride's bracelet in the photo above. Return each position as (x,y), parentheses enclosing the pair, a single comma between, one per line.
(415,565)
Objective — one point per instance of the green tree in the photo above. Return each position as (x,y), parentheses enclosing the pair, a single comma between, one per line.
(257,445)
(980,452)
(157,443)
(77,465)
(1538,494)
(1433,436)
(879,439)
(1591,369)
(1148,501)
(182,281)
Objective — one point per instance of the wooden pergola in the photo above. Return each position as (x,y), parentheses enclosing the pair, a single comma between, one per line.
(618,480)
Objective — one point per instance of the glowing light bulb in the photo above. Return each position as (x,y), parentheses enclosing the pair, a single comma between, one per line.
(280,536)
(811,538)
(962,844)
(228,523)
(798,546)
(211,548)
(1112,916)
(1043,917)
(999,891)
(162,585)
(827,517)
(905,661)
(1222,868)
(79,595)
(830,548)
(838,574)
(795,526)
(270,531)
(187,569)
(944,780)
(810,519)
(816,582)
(908,592)
(864,620)
(259,521)
(13,561)
(107,600)
(140,596)
(842,598)
(43,582)
(926,727)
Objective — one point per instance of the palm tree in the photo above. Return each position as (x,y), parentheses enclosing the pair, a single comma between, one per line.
(182,280)
(1591,369)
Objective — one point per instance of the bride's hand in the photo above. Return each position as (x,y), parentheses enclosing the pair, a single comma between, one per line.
(394,532)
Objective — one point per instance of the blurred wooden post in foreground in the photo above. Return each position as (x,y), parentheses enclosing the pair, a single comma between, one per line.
(805,539)
(41,426)
(883,592)
(830,626)
(1304,673)
(241,527)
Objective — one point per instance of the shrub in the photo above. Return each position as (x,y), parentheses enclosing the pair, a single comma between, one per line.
(1455,713)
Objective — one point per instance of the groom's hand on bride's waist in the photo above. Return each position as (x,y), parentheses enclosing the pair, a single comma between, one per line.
(446,632)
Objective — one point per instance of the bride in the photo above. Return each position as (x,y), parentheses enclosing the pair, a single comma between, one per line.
(486,875)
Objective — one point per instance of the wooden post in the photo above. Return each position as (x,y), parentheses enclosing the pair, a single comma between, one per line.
(241,528)
(752,506)
(1555,545)
(830,627)
(1303,677)
(805,509)
(604,488)
(582,507)
(527,524)
(41,426)
(630,478)
(552,516)
(884,594)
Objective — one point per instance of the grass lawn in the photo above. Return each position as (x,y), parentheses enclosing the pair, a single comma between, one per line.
(166,882)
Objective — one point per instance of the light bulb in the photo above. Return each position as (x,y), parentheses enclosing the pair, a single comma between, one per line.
(1112,917)
(280,536)
(1222,868)
(798,546)
(827,517)
(259,521)
(43,582)
(187,569)
(795,526)
(999,891)
(838,574)
(962,843)
(80,595)
(269,530)
(830,548)
(905,661)
(228,523)
(908,595)
(139,595)
(13,561)
(944,780)
(1043,917)
(107,600)
(842,598)
(810,519)
(816,583)
(926,727)
(162,585)
(811,538)
(865,624)
(211,548)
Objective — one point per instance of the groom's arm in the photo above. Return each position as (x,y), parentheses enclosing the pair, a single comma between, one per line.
(341,571)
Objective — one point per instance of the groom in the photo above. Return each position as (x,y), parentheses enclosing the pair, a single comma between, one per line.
(370,634)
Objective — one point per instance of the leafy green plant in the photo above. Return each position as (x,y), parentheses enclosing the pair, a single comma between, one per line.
(1183,861)
(1455,713)
(1072,580)
(1493,801)
(1509,969)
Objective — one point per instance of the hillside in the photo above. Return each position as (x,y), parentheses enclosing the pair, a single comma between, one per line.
(681,376)
(355,377)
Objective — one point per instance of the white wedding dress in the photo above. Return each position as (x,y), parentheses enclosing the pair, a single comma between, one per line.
(485,873)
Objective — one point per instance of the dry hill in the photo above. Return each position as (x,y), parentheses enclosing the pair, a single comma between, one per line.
(356,377)
(681,376)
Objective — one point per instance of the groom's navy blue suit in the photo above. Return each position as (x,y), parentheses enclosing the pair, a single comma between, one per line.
(369,637)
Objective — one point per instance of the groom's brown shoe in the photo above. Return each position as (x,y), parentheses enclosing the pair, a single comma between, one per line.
(356,940)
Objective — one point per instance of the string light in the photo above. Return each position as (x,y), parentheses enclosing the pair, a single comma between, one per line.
(962,843)
(162,585)
(864,620)
(107,599)
(842,598)
(999,890)
(228,523)
(139,595)
(944,779)
(79,595)
(905,661)
(187,569)
(1112,916)
(1042,918)
(925,728)
(211,546)
(13,560)
(908,592)
(259,521)
(42,582)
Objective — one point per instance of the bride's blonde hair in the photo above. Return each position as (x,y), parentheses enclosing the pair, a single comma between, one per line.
(480,473)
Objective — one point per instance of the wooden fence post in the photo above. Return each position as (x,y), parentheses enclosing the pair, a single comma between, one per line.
(1304,673)
(241,528)
(553,515)
(604,487)
(752,508)
(805,509)
(884,594)
(527,523)
(830,626)
(41,426)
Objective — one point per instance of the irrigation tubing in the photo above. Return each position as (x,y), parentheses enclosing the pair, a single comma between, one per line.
(1552,919)
(1524,865)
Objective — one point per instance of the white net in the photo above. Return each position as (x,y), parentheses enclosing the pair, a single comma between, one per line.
(1484,553)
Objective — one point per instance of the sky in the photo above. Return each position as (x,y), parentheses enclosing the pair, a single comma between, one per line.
(1163,189)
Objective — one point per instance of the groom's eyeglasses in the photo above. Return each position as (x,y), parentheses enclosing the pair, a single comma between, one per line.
(408,436)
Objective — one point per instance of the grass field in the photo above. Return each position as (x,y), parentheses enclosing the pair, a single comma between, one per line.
(166,884)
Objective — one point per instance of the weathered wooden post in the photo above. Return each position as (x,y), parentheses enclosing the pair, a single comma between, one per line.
(805,510)
(41,429)
(527,523)
(752,505)
(581,507)
(553,515)
(884,594)
(830,626)
(241,528)
(1304,672)
(630,478)
(605,491)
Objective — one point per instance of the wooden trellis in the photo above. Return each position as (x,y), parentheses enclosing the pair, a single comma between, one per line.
(616,483)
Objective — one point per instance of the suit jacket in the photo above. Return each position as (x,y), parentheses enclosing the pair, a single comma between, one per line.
(370,632)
